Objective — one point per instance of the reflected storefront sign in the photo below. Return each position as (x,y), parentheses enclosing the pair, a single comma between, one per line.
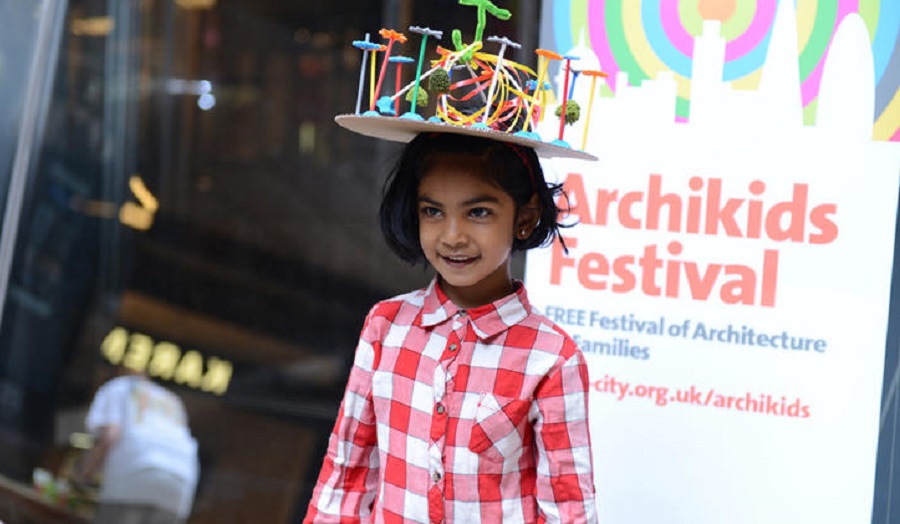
(166,361)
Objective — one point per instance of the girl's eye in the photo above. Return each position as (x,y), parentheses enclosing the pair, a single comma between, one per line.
(480,212)
(430,212)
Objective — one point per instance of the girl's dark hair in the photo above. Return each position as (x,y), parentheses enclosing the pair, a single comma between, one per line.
(515,169)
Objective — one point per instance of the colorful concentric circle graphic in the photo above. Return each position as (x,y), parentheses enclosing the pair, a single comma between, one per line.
(644,37)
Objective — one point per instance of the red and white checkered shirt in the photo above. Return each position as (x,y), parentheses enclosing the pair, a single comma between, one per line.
(451,415)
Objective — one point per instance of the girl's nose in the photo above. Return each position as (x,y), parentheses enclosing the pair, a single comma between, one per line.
(453,233)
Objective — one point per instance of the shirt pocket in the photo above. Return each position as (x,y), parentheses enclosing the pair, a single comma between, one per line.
(499,427)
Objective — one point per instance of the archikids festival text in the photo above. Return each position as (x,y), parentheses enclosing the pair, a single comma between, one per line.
(706,209)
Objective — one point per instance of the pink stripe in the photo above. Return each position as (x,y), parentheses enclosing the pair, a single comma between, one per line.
(759,28)
(671,22)
(846,7)
(896,137)
(810,87)
(597,28)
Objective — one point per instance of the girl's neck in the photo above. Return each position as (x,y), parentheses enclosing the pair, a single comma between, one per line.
(477,295)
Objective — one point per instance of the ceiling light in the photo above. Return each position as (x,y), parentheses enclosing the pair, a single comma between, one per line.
(94,26)
(196,4)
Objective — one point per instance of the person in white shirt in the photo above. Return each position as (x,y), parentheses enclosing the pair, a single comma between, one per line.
(146,451)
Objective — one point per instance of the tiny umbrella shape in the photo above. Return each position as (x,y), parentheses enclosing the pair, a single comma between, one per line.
(498,70)
(392,36)
(544,58)
(399,60)
(594,75)
(365,46)
(425,32)
(565,100)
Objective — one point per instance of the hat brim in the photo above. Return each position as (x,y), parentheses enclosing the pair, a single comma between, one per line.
(398,129)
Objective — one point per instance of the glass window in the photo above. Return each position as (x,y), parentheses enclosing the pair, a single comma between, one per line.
(176,198)
(193,211)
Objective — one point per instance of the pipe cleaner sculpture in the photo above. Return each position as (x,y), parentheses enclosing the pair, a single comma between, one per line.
(473,91)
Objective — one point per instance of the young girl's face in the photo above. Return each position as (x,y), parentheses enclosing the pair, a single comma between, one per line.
(466,229)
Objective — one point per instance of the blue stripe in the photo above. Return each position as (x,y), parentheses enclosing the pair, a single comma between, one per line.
(656,37)
(682,64)
(748,63)
(885,35)
(562,24)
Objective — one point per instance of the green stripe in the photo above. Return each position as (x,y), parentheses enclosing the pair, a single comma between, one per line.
(818,38)
(578,20)
(682,107)
(689,13)
(868,10)
(739,21)
(809,112)
(615,31)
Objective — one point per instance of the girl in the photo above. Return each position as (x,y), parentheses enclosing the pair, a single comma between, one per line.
(464,404)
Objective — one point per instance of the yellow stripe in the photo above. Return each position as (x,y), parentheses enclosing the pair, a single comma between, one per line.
(749,82)
(889,120)
(641,50)
(806,15)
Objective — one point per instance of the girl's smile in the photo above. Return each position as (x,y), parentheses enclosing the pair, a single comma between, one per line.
(459,262)
(466,230)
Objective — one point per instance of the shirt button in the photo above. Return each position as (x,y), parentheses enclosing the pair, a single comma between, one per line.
(453,347)
(436,476)
(440,409)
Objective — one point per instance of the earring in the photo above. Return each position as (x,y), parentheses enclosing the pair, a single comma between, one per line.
(523,233)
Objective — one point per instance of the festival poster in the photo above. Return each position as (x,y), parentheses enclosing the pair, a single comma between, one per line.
(729,277)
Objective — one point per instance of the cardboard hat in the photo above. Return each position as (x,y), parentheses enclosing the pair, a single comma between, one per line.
(398,129)
(474,93)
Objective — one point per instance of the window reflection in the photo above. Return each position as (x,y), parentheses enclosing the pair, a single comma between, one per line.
(193,213)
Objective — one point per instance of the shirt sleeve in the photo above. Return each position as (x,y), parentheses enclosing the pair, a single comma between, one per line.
(346,489)
(565,483)
(108,408)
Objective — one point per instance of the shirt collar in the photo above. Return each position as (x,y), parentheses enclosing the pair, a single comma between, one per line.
(488,320)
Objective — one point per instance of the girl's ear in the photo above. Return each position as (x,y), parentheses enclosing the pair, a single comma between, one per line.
(527,218)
